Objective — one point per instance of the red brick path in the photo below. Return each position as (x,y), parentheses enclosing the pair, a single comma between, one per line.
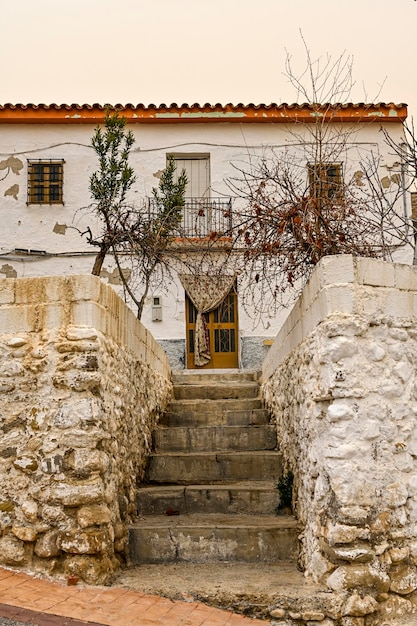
(38,601)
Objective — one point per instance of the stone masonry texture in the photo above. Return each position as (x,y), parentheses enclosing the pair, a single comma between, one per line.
(341,382)
(82,385)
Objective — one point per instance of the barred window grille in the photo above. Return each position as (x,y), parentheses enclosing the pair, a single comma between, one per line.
(45,181)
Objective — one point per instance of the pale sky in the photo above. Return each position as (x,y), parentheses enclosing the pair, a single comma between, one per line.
(164,51)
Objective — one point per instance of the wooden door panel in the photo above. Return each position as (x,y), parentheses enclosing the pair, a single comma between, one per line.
(223,334)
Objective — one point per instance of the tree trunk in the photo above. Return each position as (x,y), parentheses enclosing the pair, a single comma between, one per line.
(99,260)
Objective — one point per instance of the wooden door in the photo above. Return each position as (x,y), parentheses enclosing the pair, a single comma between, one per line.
(222,325)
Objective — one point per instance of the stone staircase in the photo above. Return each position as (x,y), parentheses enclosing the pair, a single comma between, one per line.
(211,492)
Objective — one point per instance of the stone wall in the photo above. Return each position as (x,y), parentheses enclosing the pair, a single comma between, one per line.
(341,382)
(82,384)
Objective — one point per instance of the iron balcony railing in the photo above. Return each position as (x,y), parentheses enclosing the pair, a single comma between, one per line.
(203,216)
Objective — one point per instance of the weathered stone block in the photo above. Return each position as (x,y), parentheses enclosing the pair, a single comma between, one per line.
(312,616)
(396,609)
(353,621)
(26,463)
(353,554)
(47,545)
(363,577)
(403,579)
(356,515)
(24,533)
(357,606)
(77,333)
(395,495)
(11,369)
(339,411)
(7,290)
(7,506)
(92,569)
(84,542)
(30,510)
(94,515)
(52,514)
(87,460)
(71,494)
(77,381)
(12,550)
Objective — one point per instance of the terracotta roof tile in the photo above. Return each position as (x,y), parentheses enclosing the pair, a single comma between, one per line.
(140,113)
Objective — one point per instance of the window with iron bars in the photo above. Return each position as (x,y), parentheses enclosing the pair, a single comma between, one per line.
(45,181)
(325,180)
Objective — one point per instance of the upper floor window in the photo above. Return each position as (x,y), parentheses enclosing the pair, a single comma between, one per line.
(45,181)
(197,168)
(203,213)
(325,180)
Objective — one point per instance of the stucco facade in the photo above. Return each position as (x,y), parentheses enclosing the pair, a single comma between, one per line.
(44,239)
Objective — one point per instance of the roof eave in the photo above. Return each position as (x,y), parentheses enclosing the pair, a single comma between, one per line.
(172,114)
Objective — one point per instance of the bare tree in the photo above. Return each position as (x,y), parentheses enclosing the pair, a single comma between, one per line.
(150,232)
(406,153)
(316,195)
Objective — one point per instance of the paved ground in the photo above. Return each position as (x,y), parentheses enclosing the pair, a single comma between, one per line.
(250,589)
(38,601)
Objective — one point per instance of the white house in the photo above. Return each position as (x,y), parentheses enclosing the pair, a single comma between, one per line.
(46,160)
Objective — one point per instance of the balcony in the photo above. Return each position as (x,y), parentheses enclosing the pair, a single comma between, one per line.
(203,217)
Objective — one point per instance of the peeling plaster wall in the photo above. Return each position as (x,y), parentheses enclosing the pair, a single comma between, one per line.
(341,383)
(51,228)
(82,385)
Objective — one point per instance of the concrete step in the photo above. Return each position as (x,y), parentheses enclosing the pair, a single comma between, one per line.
(213,538)
(250,498)
(258,590)
(211,412)
(212,438)
(193,377)
(224,390)
(191,468)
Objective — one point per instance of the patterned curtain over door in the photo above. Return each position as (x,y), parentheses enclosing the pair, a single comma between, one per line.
(206,293)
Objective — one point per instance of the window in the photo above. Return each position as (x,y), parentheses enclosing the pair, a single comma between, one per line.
(197,167)
(203,214)
(325,180)
(45,182)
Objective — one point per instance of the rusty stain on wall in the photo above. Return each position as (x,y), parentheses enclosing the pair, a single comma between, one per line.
(60,229)
(158,174)
(357,177)
(8,271)
(12,191)
(388,180)
(11,163)
(113,277)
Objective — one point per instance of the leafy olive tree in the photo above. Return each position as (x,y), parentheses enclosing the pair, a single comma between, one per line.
(110,183)
(137,234)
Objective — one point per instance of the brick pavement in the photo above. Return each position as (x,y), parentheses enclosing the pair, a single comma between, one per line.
(38,601)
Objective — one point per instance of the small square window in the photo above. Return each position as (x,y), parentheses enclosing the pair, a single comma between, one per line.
(325,180)
(45,182)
